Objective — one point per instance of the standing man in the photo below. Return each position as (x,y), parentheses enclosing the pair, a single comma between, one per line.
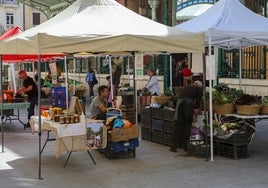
(187,109)
(28,87)
(98,107)
(89,79)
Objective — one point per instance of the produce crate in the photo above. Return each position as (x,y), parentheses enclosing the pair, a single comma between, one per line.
(123,149)
(146,111)
(168,114)
(157,113)
(168,139)
(233,151)
(168,127)
(198,149)
(157,136)
(146,133)
(146,121)
(239,138)
(157,125)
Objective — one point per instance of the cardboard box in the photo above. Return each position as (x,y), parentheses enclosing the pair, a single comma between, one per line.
(123,134)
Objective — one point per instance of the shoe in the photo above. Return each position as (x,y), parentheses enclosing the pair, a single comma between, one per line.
(173,149)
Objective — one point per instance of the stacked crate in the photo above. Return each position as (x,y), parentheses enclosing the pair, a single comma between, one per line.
(237,145)
(127,108)
(168,125)
(157,125)
(146,123)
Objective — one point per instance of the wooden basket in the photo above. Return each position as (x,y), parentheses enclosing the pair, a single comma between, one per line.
(264,109)
(161,99)
(222,109)
(248,109)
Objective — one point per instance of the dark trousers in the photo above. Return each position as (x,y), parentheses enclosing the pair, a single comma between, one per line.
(33,102)
(182,127)
(91,86)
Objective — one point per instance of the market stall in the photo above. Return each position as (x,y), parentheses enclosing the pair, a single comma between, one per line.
(225,27)
(115,33)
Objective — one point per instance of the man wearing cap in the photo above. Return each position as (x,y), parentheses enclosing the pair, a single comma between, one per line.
(28,87)
(187,109)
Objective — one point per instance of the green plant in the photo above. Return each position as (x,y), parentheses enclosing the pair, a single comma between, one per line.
(222,94)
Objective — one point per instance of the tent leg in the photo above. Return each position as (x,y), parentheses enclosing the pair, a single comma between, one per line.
(91,157)
(67,159)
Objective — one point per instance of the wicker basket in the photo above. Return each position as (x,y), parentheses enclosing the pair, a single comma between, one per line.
(248,109)
(222,109)
(264,109)
(162,99)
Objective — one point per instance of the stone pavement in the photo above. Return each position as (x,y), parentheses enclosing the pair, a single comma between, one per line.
(153,167)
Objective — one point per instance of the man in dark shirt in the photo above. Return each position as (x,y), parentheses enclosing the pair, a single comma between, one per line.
(187,109)
(28,87)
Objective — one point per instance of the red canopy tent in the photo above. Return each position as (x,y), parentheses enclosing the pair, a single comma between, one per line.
(23,57)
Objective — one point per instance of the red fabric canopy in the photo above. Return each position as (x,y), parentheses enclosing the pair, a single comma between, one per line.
(23,57)
(10,32)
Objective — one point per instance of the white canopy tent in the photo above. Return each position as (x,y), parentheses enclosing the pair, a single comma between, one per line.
(228,25)
(99,26)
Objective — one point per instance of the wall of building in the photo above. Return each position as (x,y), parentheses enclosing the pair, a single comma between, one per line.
(29,17)
(16,10)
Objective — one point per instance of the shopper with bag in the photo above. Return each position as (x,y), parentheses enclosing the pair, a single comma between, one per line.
(91,80)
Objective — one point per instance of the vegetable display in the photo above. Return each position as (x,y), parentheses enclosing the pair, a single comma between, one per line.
(222,94)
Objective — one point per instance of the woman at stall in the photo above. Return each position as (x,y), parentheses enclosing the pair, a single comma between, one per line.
(152,84)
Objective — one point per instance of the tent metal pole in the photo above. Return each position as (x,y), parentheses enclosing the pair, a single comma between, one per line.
(240,68)
(1,92)
(66,82)
(210,98)
(39,118)
(111,79)
(170,72)
(74,65)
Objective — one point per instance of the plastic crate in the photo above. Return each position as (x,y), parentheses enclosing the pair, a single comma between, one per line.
(168,114)
(240,138)
(198,149)
(168,127)
(146,122)
(123,149)
(168,139)
(157,113)
(146,133)
(157,125)
(233,151)
(146,111)
(157,136)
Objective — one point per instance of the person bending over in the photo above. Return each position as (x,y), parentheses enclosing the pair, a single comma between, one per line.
(187,109)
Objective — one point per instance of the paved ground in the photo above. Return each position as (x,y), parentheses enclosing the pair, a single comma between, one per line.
(153,167)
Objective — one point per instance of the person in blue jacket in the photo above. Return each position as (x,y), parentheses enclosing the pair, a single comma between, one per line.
(90,80)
